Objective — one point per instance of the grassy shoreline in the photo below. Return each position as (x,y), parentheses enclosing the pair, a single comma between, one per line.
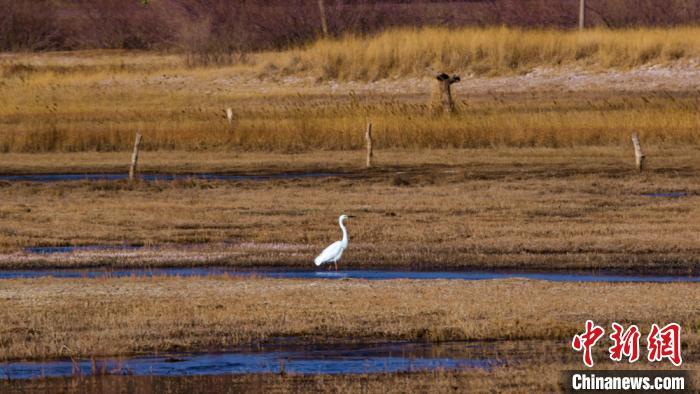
(546,209)
(541,377)
(175,108)
(126,316)
(533,172)
(494,51)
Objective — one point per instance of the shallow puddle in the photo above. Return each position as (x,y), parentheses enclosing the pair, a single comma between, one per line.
(85,248)
(666,195)
(316,359)
(161,177)
(344,274)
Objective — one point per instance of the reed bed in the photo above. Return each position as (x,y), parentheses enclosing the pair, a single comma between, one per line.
(492,51)
(299,128)
(48,114)
(49,318)
(98,100)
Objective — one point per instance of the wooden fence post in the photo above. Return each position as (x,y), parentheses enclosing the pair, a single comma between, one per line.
(638,155)
(444,86)
(582,15)
(368,137)
(324,23)
(135,158)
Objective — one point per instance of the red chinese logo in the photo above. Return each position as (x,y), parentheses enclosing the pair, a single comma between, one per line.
(665,343)
(587,340)
(625,343)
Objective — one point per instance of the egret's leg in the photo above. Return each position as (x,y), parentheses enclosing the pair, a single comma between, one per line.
(336,265)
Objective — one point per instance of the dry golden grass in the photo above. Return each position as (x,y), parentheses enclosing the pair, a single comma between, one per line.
(47,318)
(409,52)
(523,209)
(98,100)
(500,380)
(184,162)
(496,51)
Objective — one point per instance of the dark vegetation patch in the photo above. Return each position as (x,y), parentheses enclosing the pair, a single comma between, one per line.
(223,31)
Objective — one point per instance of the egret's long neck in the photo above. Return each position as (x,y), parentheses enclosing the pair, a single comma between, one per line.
(345,232)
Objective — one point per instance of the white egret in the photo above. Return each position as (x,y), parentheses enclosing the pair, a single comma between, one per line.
(333,252)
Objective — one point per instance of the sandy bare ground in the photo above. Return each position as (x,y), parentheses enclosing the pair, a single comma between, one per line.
(680,75)
(674,77)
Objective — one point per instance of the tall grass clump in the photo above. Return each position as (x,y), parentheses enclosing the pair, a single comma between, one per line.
(492,51)
(98,100)
(299,127)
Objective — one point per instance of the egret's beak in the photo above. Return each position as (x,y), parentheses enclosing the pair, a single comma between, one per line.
(352,216)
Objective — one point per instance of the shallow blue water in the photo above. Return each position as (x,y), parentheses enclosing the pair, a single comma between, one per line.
(666,195)
(321,359)
(71,249)
(160,177)
(342,274)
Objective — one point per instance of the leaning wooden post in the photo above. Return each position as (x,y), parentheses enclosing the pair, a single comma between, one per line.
(582,15)
(444,86)
(638,155)
(368,137)
(135,158)
(324,23)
